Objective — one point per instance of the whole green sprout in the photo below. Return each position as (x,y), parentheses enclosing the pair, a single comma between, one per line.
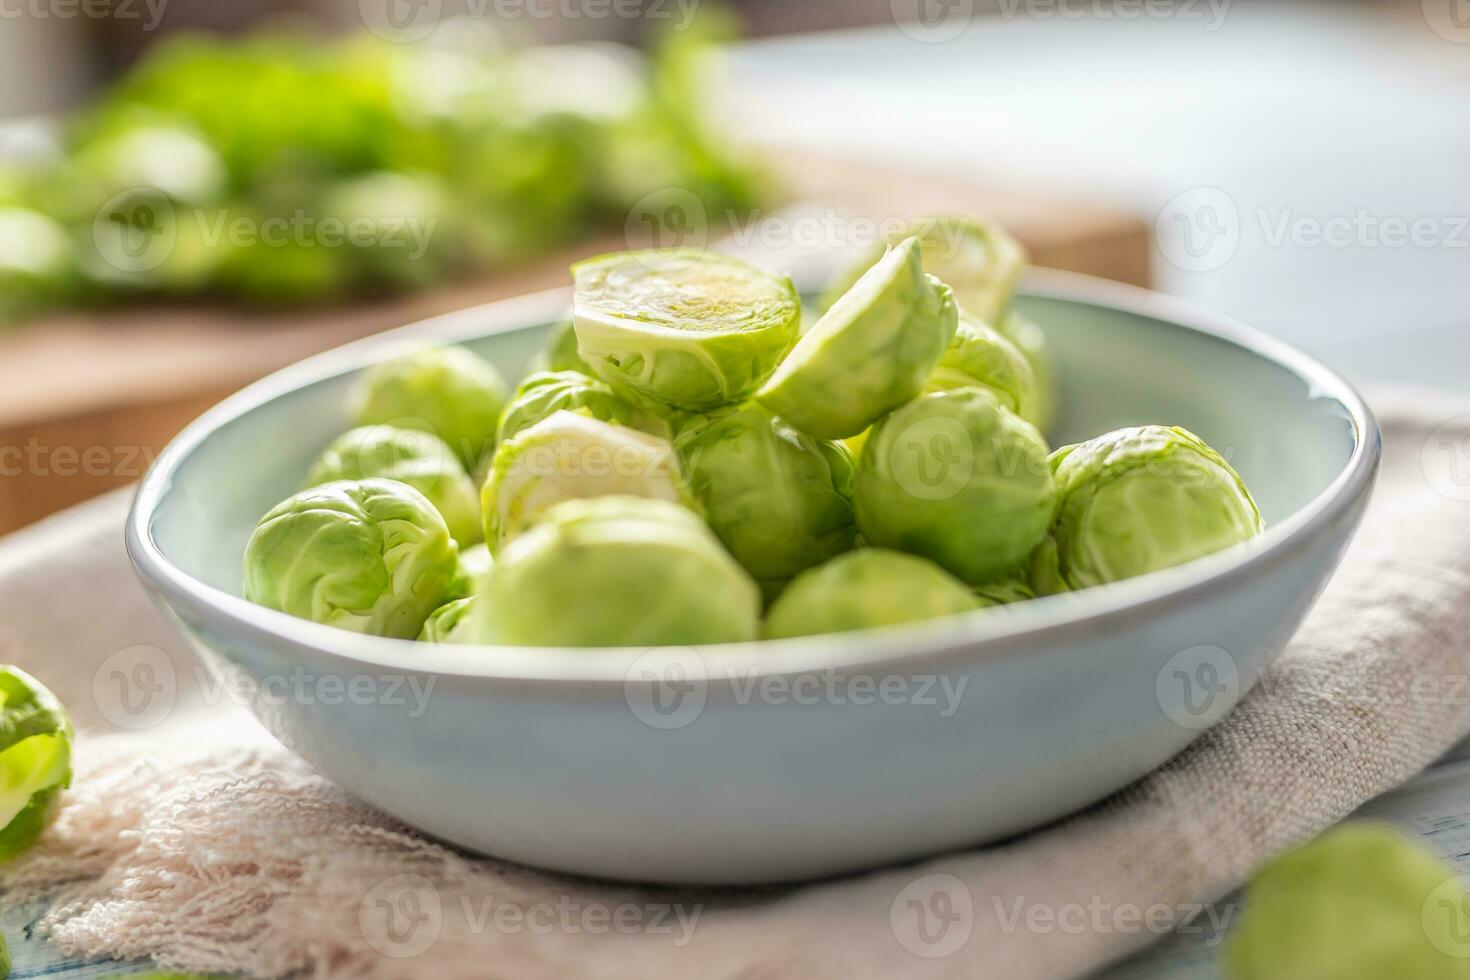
(864,589)
(682,330)
(569,456)
(1004,592)
(1361,902)
(419,459)
(442,624)
(1031,341)
(956,477)
(35,758)
(614,571)
(873,350)
(372,556)
(559,353)
(1137,500)
(448,391)
(981,356)
(539,396)
(778,499)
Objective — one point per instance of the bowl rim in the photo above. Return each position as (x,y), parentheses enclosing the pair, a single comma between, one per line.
(897,648)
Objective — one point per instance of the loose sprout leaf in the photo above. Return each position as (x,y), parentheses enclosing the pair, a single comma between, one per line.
(35,758)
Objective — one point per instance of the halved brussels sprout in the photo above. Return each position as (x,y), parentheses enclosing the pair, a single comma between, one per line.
(423,461)
(780,500)
(863,589)
(35,758)
(448,391)
(539,396)
(956,477)
(871,352)
(979,355)
(443,622)
(372,556)
(978,259)
(685,330)
(614,571)
(1361,902)
(559,353)
(1137,500)
(569,456)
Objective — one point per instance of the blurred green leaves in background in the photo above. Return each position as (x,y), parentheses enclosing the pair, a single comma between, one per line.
(281,170)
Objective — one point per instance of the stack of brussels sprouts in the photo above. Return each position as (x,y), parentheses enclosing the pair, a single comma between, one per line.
(282,170)
(685,467)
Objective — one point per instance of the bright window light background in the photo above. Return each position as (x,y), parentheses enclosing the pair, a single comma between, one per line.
(1305,116)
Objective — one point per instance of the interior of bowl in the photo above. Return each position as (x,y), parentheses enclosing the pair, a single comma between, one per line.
(1290,427)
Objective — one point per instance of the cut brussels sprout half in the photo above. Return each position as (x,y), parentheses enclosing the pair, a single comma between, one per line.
(980,355)
(1137,500)
(1361,902)
(778,499)
(448,391)
(871,352)
(614,571)
(540,396)
(958,478)
(442,623)
(423,461)
(372,556)
(978,259)
(682,330)
(863,589)
(569,456)
(35,758)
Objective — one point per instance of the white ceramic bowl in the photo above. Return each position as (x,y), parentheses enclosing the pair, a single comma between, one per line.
(801,758)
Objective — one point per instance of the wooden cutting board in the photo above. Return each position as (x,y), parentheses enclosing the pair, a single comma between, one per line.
(90,398)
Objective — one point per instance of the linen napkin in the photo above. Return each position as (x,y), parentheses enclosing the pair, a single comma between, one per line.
(192,838)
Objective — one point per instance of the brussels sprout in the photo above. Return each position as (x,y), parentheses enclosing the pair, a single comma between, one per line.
(614,571)
(871,352)
(474,565)
(569,456)
(448,391)
(866,588)
(1004,592)
(1137,500)
(780,500)
(442,623)
(979,355)
(4,958)
(979,260)
(540,396)
(1361,902)
(1032,343)
(372,556)
(420,459)
(682,329)
(958,478)
(35,758)
(559,353)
